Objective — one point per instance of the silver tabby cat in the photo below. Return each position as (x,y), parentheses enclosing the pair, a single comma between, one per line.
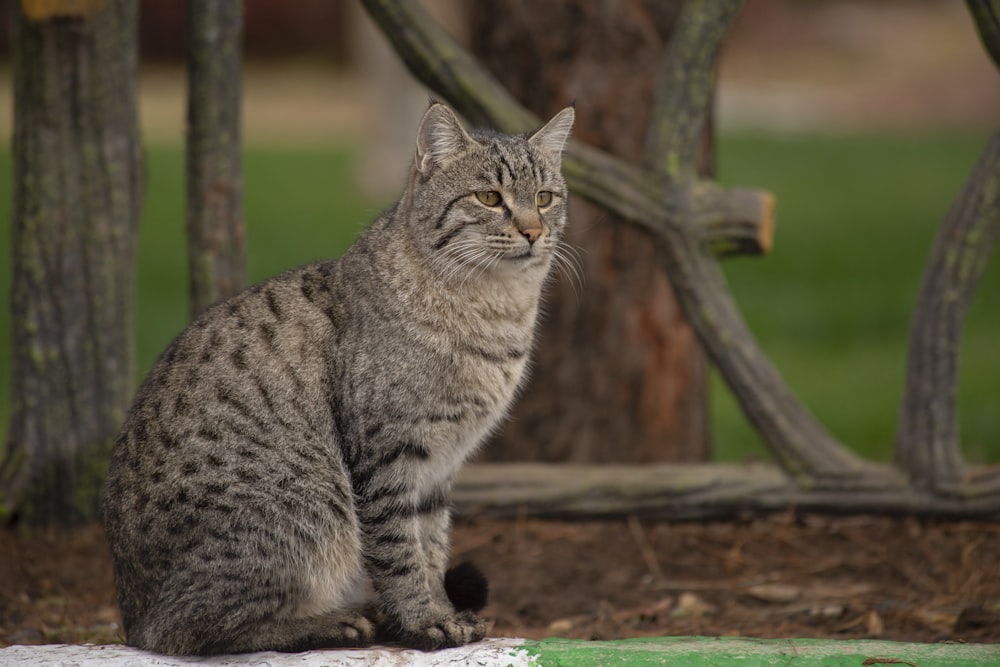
(282,478)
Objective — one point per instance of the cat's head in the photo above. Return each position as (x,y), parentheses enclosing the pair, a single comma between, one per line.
(485,203)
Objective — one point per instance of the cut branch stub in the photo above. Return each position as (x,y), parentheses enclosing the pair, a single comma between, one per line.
(737,221)
(927,441)
(728,222)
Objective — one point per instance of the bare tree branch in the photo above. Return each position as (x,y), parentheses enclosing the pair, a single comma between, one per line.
(986,14)
(927,441)
(445,67)
(685,86)
(686,491)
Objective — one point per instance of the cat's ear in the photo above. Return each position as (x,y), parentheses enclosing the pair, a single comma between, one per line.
(551,139)
(439,138)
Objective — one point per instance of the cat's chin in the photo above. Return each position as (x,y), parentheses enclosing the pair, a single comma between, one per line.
(524,260)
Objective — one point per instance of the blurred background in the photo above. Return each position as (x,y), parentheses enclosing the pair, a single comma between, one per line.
(863,118)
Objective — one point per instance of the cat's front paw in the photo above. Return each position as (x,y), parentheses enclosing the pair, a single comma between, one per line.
(447,632)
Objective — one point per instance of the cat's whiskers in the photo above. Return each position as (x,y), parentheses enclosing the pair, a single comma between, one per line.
(468,256)
(568,261)
(485,260)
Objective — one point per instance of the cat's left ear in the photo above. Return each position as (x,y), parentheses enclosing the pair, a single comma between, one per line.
(439,138)
(551,139)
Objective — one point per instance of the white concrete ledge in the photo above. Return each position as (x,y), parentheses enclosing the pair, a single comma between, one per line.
(488,653)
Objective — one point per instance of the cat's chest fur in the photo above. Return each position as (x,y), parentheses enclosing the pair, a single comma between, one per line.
(427,364)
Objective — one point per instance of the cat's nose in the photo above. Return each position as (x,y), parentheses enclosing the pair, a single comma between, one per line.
(530,229)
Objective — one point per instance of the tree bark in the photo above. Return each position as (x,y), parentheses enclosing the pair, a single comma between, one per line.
(215,225)
(76,205)
(618,373)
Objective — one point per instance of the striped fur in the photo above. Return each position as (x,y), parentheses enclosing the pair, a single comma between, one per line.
(282,479)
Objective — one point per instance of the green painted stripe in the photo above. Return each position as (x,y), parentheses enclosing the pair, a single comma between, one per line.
(746,652)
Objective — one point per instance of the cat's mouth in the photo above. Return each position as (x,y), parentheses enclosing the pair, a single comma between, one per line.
(531,252)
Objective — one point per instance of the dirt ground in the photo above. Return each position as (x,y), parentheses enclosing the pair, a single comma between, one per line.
(784,576)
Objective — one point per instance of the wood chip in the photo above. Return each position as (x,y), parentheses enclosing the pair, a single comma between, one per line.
(775,592)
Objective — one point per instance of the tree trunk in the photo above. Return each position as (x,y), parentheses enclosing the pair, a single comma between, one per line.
(618,373)
(76,205)
(216,234)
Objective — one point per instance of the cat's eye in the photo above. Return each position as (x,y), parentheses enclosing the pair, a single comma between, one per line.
(543,199)
(488,197)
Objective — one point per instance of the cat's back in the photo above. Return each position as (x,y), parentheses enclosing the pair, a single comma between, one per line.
(240,357)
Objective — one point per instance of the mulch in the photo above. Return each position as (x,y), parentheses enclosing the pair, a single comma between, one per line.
(783,576)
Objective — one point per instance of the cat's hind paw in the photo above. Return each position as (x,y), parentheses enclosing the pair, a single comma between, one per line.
(354,629)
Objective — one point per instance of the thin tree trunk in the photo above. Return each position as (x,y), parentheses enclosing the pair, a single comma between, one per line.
(619,374)
(216,234)
(76,204)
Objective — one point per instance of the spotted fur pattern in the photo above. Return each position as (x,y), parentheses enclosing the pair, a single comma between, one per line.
(282,478)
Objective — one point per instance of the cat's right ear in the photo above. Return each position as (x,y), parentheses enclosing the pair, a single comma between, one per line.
(439,138)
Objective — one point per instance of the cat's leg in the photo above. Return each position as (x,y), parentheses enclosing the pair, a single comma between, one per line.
(408,578)
(234,625)
(435,541)
(227,599)
(246,580)
(340,629)
(464,585)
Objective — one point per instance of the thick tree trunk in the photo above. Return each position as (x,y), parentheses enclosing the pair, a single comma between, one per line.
(216,234)
(76,204)
(619,374)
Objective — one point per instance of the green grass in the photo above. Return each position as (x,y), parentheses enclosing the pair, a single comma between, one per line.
(831,305)
(300,205)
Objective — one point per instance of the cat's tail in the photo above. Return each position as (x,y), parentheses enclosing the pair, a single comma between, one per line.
(467,587)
